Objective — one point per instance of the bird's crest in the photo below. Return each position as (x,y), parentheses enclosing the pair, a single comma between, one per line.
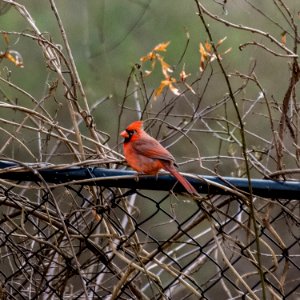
(135,125)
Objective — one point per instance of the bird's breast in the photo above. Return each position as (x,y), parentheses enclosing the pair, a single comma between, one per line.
(140,162)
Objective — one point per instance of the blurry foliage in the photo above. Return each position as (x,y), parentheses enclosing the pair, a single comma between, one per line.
(106,43)
(223,106)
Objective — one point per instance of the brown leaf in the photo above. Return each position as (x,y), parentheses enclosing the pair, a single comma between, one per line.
(165,67)
(208,46)
(5,38)
(183,75)
(14,57)
(283,38)
(203,52)
(166,83)
(162,46)
(150,56)
(221,41)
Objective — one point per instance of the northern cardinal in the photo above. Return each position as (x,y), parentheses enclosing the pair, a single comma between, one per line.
(146,155)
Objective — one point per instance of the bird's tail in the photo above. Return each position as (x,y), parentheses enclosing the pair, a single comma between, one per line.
(189,188)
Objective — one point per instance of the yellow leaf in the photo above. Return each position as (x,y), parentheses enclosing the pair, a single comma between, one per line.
(202,51)
(159,90)
(150,56)
(144,58)
(14,57)
(174,90)
(208,46)
(161,46)
(165,67)
(166,83)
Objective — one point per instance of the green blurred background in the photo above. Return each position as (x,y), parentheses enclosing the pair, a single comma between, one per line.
(108,37)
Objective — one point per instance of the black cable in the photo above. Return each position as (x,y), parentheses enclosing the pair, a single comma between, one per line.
(163,182)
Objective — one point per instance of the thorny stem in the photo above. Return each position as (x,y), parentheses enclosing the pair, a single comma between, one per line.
(244,148)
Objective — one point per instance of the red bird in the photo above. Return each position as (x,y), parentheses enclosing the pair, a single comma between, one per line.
(146,155)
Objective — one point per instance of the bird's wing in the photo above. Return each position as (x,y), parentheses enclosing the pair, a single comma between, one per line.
(151,148)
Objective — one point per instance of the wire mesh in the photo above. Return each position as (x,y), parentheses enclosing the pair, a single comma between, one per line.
(57,243)
(223,116)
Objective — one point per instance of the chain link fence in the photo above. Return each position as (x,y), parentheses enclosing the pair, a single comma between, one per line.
(56,242)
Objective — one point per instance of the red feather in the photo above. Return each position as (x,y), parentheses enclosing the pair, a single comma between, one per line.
(146,155)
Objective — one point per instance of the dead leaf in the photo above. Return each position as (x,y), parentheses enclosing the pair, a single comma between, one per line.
(166,83)
(162,46)
(283,38)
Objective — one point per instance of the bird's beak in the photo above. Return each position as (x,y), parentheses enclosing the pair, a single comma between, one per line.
(124,134)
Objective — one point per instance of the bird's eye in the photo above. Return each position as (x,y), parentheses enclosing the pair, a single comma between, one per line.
(130,132)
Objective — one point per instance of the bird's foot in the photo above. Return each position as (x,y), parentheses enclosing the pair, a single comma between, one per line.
(137,177)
